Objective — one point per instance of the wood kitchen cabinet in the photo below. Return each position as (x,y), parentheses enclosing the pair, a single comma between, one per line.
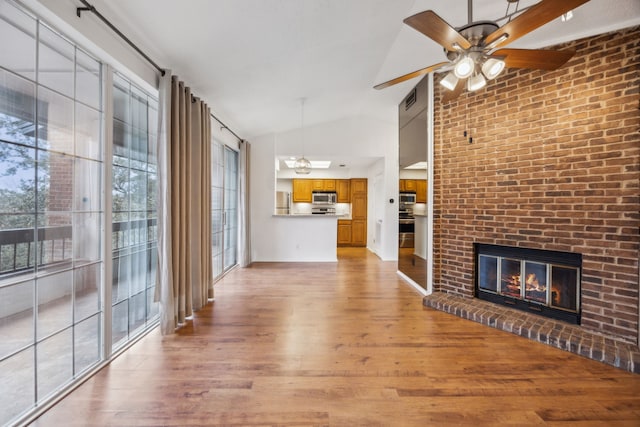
(343,190)
(408,185)
(359,212)
(421,191)
(344,232)
(359,232)
(302,189)
(323,185)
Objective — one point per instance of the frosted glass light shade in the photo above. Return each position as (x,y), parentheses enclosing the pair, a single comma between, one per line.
(450,81)
(476,82)
(492,67)
(302,166)
(464,68)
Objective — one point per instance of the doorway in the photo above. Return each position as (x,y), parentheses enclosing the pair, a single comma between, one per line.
(224,209)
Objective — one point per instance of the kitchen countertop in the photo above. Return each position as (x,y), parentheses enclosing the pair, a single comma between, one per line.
(312,216)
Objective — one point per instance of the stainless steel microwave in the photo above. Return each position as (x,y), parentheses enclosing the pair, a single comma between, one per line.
(324,198)
(408,198)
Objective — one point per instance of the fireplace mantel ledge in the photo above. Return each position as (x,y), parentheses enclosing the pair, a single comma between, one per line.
(552,332)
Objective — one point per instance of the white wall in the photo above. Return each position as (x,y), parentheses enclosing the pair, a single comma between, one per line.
(352,137)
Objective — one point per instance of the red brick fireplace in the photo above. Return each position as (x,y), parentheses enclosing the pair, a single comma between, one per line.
(554,164)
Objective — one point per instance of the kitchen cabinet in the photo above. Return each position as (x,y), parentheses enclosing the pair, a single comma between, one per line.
(359,212)
(329,184)
(421,191)
(344,232)
(302,189)
(408,185)
(343,190)
(358,185)
(359,232)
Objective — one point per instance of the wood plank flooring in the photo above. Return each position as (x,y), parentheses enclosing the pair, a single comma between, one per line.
(343,344)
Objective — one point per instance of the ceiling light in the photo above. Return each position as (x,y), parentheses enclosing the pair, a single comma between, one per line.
(417,165)
(476,82)
(314,164)
(302,166)
(464,68)
(492,67)
(450,81)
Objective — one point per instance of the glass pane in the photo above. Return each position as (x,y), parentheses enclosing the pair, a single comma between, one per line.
(17,179)
(120,189)
(510,277)
(88,185)
(87,79)
(55,62)
(86,249)
(488,273)
(55,242)
(137,311)
(138,189)
(87,343)
(55,121)
(139,265)
(55,182)
(535,282)
(55,358)
(120,324)
(121,104)
(121,278)
(16,317)
(17,247)
(17,378)
(17,108)
(88,132)
(19,54)
(54,302)
(86,282)
(564,287)
(152,307)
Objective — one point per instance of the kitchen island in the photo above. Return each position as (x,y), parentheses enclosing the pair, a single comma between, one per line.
(305,238)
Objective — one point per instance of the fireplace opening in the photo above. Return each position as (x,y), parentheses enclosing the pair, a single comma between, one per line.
(540,281)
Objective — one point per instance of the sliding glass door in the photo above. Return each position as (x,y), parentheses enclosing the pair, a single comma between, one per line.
(76,211)
(224,208)
(51,212)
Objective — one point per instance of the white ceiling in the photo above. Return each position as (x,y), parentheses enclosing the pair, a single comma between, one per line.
(252,60)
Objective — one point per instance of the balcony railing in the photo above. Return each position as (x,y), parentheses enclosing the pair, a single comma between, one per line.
(20,251)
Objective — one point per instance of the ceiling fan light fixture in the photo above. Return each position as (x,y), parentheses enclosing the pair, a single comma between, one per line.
(497,41)
(492,67)
(476,82)
(464,68)
(450,81)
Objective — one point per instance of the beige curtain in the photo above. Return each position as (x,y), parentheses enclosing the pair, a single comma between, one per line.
(186,280)
(245,213)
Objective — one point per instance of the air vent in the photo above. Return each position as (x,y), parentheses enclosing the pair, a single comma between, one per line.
(410,99)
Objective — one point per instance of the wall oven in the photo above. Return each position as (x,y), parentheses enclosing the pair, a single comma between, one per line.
(324,198)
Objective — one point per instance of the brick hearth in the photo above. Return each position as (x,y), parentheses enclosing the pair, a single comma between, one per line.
(555,333)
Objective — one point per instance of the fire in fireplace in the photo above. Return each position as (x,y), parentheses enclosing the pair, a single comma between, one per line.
(545,282)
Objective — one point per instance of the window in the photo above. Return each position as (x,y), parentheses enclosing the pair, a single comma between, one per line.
(224,209)
(51,212)
(134,220)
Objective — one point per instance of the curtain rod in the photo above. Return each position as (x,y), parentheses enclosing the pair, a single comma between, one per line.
(226,127)
(90,8)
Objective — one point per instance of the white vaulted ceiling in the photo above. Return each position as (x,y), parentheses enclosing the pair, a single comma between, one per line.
(252,60)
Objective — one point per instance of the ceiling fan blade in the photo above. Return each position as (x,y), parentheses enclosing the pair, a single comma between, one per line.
(437,29)
(410,75)
(450,95)
(534,17)
(534,58)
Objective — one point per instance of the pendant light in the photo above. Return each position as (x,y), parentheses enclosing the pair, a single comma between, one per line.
(302,166)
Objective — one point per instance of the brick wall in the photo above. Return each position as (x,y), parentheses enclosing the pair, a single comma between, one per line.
(554,164)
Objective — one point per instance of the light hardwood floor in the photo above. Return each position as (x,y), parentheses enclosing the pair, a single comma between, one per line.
(346,344)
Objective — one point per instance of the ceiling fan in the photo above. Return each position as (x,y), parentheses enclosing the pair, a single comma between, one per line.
(472,50)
